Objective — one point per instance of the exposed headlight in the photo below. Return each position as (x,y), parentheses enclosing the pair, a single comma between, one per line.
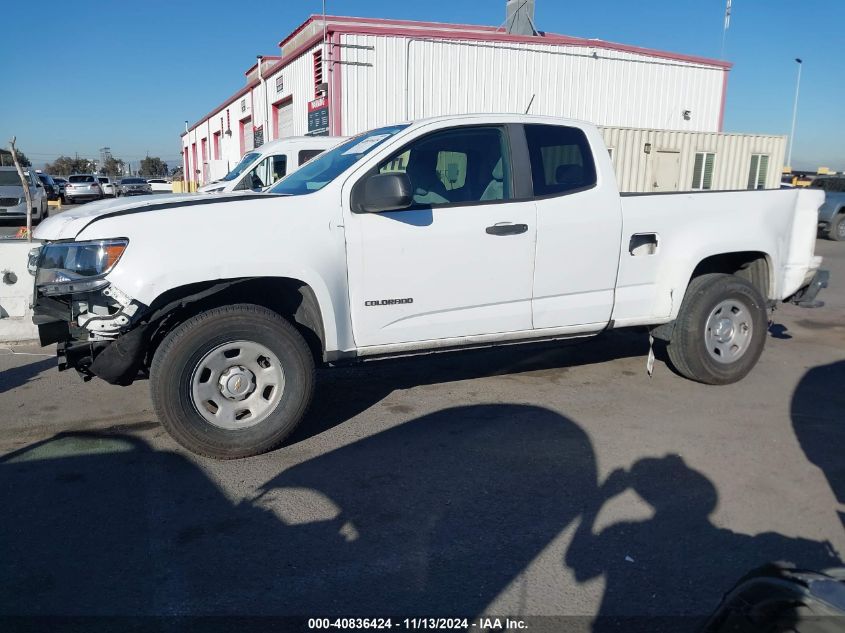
(68,267)
(21,200)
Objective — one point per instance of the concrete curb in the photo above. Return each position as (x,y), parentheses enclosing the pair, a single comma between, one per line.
(15,292)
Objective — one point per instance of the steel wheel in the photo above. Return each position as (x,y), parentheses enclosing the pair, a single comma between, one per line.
(728,331)
(237,385)
(840,230)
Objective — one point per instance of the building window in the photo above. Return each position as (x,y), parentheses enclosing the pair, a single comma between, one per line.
(280,83)
(243,105)
(702,171)
(216,145)
(318,71)
(758,171)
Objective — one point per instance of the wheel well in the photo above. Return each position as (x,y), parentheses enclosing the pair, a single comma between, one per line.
(752,266)
(290,298)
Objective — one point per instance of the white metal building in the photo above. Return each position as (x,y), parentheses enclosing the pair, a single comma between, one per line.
(345,75)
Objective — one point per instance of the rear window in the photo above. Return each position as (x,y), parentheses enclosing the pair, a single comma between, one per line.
(133,181)
(561,160)
(103,179)
(81,179)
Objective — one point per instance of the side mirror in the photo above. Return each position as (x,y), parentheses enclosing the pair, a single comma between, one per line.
(386,192)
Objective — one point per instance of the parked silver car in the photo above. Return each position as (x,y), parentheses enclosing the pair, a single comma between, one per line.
(133,187)
(13,199)
(83,187)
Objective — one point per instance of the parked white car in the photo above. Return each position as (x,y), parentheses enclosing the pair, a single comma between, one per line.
(272,161)
(442,234)
(108,186)
(13,199)
(160,185)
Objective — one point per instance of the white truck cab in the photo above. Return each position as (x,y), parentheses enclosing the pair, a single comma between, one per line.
(263,166)
(440,234)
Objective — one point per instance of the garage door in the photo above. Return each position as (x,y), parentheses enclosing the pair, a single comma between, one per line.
(247,138)
(284,119)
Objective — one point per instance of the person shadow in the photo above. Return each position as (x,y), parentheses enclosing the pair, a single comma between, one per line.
(669,572)
(818,419)
(433,516)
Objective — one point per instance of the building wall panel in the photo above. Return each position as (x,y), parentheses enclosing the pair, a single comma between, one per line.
(400,78)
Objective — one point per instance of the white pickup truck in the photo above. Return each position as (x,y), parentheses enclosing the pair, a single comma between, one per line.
(440,234)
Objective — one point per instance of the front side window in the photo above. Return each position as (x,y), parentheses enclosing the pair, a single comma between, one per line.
(561,160)
(757,172)
(264,173)
(329,165)
(463,165)
(702,171)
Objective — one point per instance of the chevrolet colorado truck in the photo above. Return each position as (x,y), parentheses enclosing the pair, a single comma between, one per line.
(446,233)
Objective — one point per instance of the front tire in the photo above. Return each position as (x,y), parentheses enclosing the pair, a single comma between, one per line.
(720,331)
(232,382)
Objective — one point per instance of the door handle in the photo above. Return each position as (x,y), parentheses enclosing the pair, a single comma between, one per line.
(506,228)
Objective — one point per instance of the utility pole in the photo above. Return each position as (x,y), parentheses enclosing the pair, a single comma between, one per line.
(794,113)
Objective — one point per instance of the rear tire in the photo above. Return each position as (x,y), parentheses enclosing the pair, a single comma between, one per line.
(200,371)
(720,331)
(837,228)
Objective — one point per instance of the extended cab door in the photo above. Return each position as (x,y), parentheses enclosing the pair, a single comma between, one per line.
(579,224)
(459,261)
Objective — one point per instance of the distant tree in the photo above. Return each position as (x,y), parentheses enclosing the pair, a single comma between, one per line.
(6,158)
(152,166)
(65,166)
(112,167)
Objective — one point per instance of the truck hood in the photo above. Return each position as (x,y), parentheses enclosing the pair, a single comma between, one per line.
(67,225)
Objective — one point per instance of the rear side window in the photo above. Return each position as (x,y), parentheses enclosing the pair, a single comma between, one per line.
(307,154)
(561,160)
(81,179)
(280,167)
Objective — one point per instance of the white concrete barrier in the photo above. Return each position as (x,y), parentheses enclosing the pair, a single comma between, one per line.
(15,292)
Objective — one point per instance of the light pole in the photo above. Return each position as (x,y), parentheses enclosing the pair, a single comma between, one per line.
(794,113)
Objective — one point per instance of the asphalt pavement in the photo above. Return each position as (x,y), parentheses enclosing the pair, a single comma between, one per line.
(555,480)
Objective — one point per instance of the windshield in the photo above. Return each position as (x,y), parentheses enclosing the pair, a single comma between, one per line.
(829,184)
(322,170)
(9,178)
(246,161)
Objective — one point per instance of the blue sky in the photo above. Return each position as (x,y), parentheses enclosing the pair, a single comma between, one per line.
(127,75)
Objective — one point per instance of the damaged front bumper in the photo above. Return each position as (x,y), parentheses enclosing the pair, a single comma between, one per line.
(97,333)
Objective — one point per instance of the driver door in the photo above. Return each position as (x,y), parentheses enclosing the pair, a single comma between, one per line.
(459,261)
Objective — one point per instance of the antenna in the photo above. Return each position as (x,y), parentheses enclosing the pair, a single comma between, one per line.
(529,103)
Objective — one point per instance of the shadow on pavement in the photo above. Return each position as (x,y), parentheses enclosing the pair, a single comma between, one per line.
(667,572)
(344,393)
(436,516)
(15,377)
(818,418)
